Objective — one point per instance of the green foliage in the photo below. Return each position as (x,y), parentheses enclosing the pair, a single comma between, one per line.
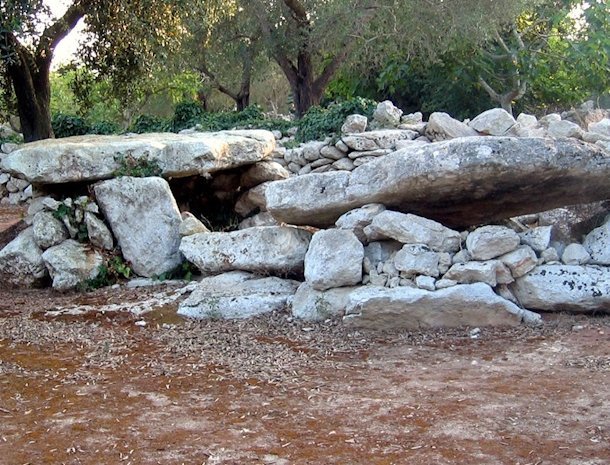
(320,122)
(147,123)
(113,270)
(186,115)
(142,167)
(13,139)
(184,271)
(65,212)
(104,128)
(69,125)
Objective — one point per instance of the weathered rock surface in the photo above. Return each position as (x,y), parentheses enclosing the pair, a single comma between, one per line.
(494,122)
(272,249)
(48,230)
(537,238)
(334,259)
(21,262)
(417,259)
(458,183)
(237,295)
(145,220)
(412,308)
(313,305)
(71,263)
(99,234)
(91,158)
(597,244)
(191,225)
(387,115)
(354,124)
(489,272)
(358,219)
(412,229)
(520,261)
(491,241)
(441,126)
(261,172)
(575,254)
(565,288)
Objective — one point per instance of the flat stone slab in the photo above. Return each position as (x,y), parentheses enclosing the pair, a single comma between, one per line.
(477,304)
(91,158)
(459,183)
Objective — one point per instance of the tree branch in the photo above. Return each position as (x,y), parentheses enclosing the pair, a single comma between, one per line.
(53,34)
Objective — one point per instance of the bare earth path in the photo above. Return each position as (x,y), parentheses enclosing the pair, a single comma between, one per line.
(100,389)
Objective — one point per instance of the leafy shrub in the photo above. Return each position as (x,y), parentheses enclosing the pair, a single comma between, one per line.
(104,128)
(69,125)
(183,271)
(142,167)
(148,123)
(12,139)
(186,115)
(110,272)
(64,211)
(319,122)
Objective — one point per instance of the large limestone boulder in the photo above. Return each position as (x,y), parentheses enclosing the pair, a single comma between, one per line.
(334,259)
(71,263)
(565,288)
(413,308)
(271,249)
(21,262)
(145,220)
(91,158)
(237,295)
(461,182)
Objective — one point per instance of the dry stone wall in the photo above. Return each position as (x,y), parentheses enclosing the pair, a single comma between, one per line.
(334,228)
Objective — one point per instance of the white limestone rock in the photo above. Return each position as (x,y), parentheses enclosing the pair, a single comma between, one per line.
(98,233)
(494,122)
(387,115)
(21,262)
(358,219)
(491,241)
(564,129)
(412,229)
(441,126)
(252,200)
(520,261)
(575,254)
(417,259)
(601,127)
(334,259)
(93,157)
(313,305)
(71,263)
(414,309)
(380,139)
(571,288)
(597,243)
(145,220)
(48,230)
(261,172)
(487,272)
(537,238)
(266,250)
(260,219)
(426,282)
(237,295)
(381,251)
(191,225)
(354,124)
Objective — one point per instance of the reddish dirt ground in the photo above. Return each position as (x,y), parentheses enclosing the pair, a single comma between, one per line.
(103,388)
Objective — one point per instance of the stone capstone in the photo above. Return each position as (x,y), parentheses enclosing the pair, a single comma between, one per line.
(571,288)
(21,262)
(466,181)
(272,249)
(92,157)
(71,263)
(414,309)
(237,295)
(334,259)
(145,220)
